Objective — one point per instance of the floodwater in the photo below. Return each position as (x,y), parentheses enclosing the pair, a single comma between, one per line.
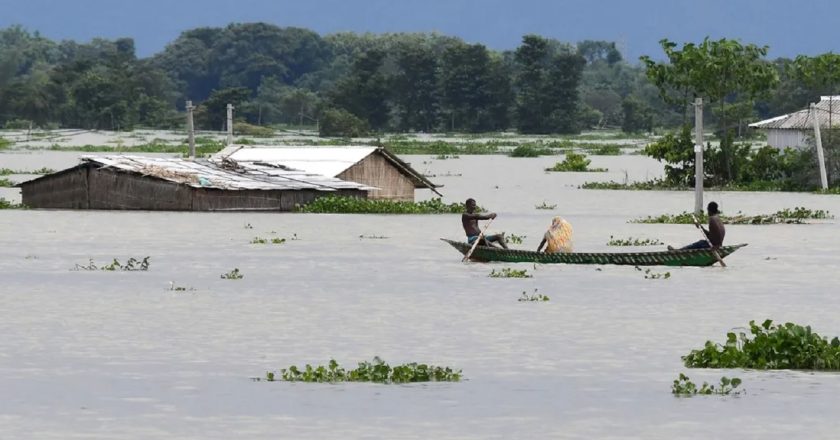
(93,354)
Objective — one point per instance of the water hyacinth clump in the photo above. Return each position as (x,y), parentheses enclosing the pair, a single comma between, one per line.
(507,272)
(684,387)
(376,371)
(575,162)
(354,205)
(797,215)
(633,242)
(769,347)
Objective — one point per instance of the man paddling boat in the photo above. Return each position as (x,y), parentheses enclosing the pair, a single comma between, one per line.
(470,219)
(715,233)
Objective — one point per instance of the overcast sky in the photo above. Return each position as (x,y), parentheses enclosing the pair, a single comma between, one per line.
(789,28)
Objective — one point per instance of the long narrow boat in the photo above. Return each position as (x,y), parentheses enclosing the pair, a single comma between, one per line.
(677,257)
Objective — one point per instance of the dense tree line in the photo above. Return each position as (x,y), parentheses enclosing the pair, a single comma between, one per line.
(358,82)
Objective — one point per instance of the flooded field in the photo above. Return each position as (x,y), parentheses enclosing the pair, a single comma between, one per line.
(95,354)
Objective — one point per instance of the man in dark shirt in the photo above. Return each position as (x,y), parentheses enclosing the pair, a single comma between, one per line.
(715,233)
(470,220)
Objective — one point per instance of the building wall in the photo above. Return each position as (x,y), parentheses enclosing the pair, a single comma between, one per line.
(66,190)
(782,139)
(376,170)
(95,188)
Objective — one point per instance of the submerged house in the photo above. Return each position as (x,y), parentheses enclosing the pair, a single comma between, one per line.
(794,129)
(223,183)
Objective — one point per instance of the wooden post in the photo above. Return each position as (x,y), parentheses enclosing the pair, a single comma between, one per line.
(698,156)
(229,124)
(818,139)
(190,129)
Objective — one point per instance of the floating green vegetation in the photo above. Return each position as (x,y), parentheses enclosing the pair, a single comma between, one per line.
(5,183)
(507,272)
(355,205)
(835,190)
(533,297)
(5,143)
(797,215)
(633,242)
(606,150)
(261,240)
(515,239)
(132,264)
(545,206)
(203,147)
(638,186)
(683,387)
(5,204)
(232,275)
(374,371)
(8,171)
(372,237)
(175,288)
(771,347)
(528,150)
(439,148)
(446,156)
(651,275)
(575,162)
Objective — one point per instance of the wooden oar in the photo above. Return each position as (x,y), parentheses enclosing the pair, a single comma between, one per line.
(706,236)
(480,234)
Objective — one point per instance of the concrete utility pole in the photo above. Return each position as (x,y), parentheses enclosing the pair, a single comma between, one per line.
(190,129)
(229,124)
(818,138)
(698,156)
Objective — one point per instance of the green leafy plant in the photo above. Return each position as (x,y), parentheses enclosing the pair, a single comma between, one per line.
(651,275)
(5,204)
(507,272)
(786,346)
(132,264)
(797,215)
(545,206)
(683,386)
(174,288)
(633,242)
(531,151)
(5,183)
(372,237)
(533,297)
(515,239)
(575,162)
(232,275)
(374,371)
(354,205)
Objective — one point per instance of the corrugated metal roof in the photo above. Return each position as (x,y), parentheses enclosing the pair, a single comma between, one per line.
(327,161)
(204,174)
(827,109)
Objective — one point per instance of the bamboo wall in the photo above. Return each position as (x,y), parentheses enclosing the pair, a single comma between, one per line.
(376,170)
(64,190)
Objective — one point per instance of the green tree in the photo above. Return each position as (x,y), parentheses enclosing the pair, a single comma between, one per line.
(212,113)
(414,87)
(364,92)
(637,116)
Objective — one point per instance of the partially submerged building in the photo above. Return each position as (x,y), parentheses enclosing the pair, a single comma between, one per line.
(795,129)
(224,182)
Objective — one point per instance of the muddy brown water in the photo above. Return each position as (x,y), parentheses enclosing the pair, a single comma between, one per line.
(93,354)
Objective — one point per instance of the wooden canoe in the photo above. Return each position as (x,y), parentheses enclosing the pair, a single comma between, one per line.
(677,257)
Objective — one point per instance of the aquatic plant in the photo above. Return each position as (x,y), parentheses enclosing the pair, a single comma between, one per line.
(132,264)
(575,162)
(797,215)
(533,297)
(683,386)
(786,346)
(5,204)
(507,272)
(528,150)
(633,242)
(545,206)
(372,237)
(446,156)
(174,288)
(355,205)
(232,275)
(261,240)
(5,183)
(515,239)
(277,240)
(651,275)
(374,371)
